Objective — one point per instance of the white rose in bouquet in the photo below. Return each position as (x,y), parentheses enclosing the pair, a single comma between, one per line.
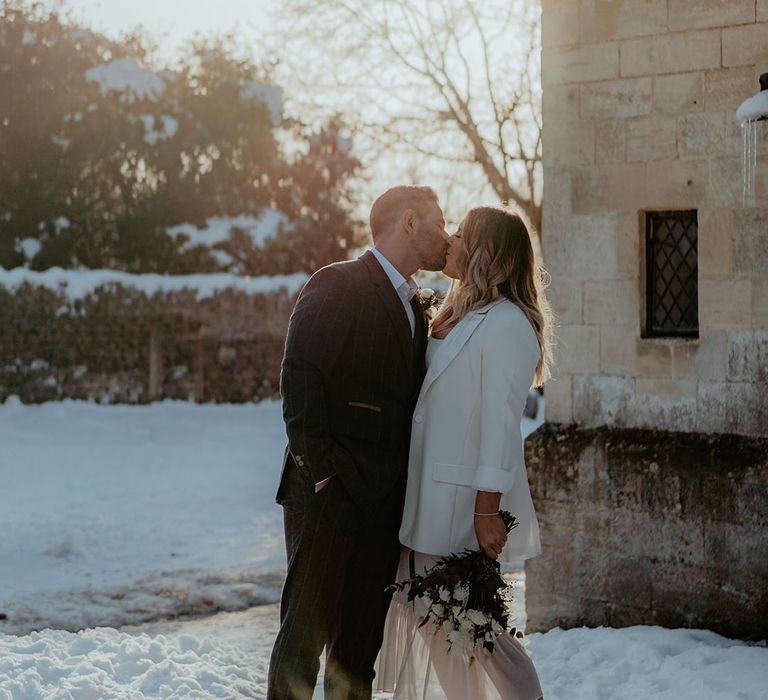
(461,593)
(477,617)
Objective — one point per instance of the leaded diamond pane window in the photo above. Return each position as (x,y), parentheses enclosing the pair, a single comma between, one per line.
(672,295)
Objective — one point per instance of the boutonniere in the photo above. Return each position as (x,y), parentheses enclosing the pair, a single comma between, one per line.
(428,299)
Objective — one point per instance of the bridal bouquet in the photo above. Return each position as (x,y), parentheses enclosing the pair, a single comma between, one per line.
(466,597)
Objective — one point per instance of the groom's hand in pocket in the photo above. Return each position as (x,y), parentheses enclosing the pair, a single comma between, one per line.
(320,485)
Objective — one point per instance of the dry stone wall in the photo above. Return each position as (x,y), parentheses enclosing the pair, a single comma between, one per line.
(121,344)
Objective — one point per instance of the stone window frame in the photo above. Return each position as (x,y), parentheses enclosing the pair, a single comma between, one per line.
(650,303)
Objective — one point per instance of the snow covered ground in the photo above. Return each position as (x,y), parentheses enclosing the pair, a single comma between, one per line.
(124,516)
(227,656)
(119,514)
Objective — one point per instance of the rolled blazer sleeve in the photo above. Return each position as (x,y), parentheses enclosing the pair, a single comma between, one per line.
(508,362)
(318,329)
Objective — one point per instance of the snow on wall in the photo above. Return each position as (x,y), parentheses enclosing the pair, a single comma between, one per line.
(77,284)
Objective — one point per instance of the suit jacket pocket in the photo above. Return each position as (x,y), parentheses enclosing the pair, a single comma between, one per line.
(454,474)
(359,420)
(363,405)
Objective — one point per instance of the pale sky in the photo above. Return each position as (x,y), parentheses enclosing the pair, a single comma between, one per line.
(172,21)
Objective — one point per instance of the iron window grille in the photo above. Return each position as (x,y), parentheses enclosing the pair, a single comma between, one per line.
(672,296)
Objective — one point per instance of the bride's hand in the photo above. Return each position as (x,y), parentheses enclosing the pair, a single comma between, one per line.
(491,534)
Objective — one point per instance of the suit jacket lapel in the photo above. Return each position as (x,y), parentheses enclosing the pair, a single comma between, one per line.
(393,306)
(420,332)
(453,343)
(419,338)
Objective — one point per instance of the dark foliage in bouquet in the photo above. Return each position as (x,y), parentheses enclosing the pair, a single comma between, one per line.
(466,597)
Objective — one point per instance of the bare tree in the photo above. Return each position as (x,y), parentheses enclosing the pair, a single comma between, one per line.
(450,82)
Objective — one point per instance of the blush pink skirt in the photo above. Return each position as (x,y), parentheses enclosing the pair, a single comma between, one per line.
(414,665)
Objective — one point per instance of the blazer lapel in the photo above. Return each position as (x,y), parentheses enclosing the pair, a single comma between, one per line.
(393,306)
(453,343)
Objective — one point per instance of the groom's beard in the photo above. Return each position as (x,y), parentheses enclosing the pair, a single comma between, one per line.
(434,262)
(432,251)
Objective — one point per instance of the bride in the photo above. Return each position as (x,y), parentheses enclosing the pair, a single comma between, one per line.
(489,343)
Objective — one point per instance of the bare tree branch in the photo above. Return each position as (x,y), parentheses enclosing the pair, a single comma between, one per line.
(433,80)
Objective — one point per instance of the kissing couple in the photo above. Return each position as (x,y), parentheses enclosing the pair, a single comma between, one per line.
(403,446)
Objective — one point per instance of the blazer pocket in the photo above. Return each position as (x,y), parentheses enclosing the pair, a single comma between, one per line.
(366,406)
(454,474)
(358,420)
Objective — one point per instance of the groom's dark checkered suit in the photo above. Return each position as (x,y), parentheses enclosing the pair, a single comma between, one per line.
(350,379)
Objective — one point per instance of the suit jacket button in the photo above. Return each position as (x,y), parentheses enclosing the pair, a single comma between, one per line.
(418,418)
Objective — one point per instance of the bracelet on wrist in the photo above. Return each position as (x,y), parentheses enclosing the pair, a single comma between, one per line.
(488,514)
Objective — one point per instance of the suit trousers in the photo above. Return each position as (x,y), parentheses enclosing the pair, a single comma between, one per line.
(340,561)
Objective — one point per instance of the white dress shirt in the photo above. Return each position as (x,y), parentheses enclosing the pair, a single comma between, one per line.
(405,288)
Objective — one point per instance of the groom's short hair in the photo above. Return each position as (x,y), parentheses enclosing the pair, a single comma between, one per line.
(389,207)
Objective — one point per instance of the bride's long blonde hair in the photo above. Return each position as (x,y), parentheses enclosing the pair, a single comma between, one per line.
(500,262)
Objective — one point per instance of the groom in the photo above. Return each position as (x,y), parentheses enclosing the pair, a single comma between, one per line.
(353,366)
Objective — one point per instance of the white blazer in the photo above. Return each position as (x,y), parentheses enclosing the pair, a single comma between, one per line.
(466,435)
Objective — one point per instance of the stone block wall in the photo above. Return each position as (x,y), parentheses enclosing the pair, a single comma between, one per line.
(123,344)
(639,102)
(649,528)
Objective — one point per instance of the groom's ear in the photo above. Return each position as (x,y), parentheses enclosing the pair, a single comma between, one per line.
(410,221)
